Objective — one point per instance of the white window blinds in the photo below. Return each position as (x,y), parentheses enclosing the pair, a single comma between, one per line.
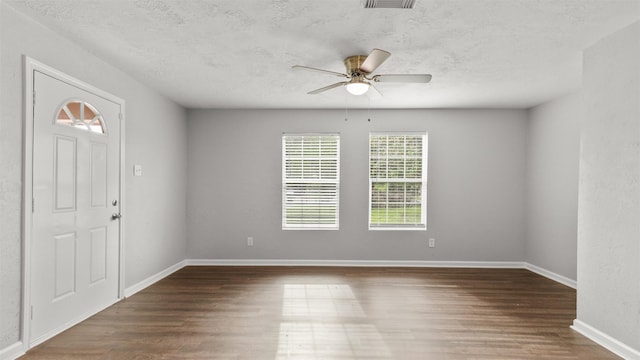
(397,181)
(310,181)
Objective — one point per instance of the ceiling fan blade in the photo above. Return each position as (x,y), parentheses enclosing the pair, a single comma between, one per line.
(375,59)
(323,89)
(403,78)
(300,67)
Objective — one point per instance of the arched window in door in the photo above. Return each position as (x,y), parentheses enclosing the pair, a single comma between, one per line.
(81,115)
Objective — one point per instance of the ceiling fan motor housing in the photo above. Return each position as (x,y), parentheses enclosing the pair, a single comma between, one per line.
(353,64)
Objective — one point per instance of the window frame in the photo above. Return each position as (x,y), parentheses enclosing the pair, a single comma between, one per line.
(285,181)
(422,180)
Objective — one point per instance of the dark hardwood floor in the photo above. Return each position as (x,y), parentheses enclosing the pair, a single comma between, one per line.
(334,313)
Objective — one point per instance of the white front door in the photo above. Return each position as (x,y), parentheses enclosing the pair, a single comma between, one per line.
(76,187)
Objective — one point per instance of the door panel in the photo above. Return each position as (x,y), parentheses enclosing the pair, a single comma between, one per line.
(98,175)
(65,265)
(75,245)
(64,168)
(98,238)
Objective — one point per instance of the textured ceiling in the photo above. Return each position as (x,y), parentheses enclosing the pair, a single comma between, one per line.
(239,53)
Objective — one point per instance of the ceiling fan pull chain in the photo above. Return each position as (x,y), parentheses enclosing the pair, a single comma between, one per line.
(346,107)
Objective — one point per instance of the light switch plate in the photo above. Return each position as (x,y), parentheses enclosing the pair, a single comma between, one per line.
(137,170)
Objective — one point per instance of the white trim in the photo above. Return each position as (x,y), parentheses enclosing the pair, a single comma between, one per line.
(551,275)
(131,290)
(423,181)
(31,65)
(27,199)
(422,227)
(606,341)
(12,352)
(122,221)
(355,263)
(286,182)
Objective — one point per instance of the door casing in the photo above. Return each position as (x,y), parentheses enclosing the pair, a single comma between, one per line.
(31,65)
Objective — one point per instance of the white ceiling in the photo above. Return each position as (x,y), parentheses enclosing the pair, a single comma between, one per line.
(239,53)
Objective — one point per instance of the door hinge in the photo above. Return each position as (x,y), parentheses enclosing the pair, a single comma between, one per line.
(31,312)
(120,116)
(34,98)
(33,204)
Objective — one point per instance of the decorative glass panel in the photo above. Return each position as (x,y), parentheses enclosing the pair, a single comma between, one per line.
(81,115)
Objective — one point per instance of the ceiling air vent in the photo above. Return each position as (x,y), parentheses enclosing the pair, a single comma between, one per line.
(389,4)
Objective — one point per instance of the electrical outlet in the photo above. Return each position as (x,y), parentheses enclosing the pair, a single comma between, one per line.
(250,241)
(432,242)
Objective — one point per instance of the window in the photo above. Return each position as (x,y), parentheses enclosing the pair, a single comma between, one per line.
(310,181)
(397,181)
(80,115)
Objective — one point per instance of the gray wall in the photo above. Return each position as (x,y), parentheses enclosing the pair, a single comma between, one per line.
(502,183)
(609,194)
(155,137)
(553,146)
(475,185)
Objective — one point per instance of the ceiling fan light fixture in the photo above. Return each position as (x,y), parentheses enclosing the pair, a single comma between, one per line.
(357,87)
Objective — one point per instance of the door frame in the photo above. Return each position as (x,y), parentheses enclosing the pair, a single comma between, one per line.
(31,65)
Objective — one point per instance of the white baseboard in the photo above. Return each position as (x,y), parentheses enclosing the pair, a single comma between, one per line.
(129,291)
(387,263)
(356,263)
(606,341)
(551,275)
(153,279)
(12,352)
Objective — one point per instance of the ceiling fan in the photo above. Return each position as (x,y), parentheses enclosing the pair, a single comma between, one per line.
(359,69)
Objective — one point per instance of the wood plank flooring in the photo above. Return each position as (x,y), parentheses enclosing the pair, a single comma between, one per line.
(334,313)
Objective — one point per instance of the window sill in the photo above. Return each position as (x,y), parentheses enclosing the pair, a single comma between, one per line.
(311,228)
(397,228)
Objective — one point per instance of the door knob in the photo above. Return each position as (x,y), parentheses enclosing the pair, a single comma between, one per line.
(116,216)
